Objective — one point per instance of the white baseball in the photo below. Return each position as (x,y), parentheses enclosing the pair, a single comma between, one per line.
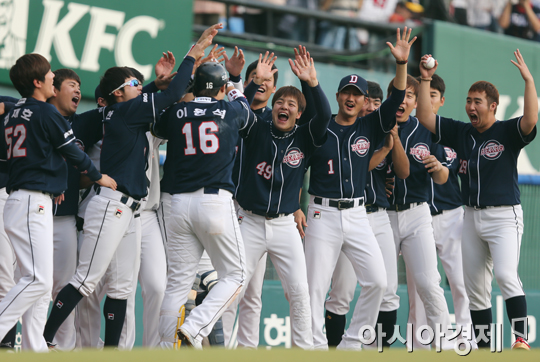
(430,63)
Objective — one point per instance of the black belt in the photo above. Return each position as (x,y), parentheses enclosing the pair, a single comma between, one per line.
(402,207)
(269,216)
(339,204)
(135,205)
(435,213)
(211,190)
(489,207)
(43,192)
(370,208)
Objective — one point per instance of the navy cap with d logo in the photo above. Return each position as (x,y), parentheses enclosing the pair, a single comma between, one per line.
(356,81)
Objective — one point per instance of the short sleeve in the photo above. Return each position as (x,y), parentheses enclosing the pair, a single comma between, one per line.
(513,130)
(449,132)
(58,129)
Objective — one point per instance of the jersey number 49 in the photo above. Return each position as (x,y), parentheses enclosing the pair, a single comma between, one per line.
(17,135)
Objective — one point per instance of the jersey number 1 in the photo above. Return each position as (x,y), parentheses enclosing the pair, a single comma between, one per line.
(208,142)
(17,150)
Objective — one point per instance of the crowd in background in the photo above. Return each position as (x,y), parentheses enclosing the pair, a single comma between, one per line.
(519,18)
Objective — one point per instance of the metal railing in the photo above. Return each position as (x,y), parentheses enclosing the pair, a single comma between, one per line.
(374,50)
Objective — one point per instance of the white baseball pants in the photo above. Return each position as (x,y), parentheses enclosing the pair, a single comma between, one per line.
(199,222)
(344,278)
(413,235)
(7,255)
(280,238)
(28,223)
(329,232)
(491,240)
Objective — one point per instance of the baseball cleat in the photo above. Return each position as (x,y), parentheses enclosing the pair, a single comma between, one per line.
(520,343)
(188,339)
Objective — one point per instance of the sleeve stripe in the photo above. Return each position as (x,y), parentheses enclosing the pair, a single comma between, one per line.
(438,127)
(520,132)
(68,142)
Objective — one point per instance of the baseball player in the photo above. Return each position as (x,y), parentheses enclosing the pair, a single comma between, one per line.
(447,219)
(109,221)
(7,256)
(202,132)
(410,216)
(344,279)
(272,175)
(487,150)
(339,171)
(249,303)
(37,138)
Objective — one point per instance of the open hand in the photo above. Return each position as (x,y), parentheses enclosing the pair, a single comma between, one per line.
(403,46)
(236,63)
(264,69)
(520,64)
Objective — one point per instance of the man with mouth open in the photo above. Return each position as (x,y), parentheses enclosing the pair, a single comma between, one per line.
(337,217)
(488,150)
(271,177)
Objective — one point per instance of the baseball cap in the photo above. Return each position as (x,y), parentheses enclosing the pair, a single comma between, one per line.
(356,81)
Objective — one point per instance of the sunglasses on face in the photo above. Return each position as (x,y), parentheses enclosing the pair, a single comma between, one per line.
(132,83)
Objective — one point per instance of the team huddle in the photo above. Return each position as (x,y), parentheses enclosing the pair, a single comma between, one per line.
(86,215)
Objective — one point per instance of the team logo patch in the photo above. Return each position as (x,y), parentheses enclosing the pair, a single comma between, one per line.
(419,151)
(382,165)
(59,304)
(240,219)
(41,209)
(317,215)
(118,213)
(110,316)
(451,155)
(361,146)
(492,150)
(294,157)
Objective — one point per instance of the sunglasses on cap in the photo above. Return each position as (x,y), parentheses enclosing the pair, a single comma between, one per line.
(132,83)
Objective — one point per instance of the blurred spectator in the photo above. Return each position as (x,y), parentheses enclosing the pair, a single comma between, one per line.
(295,27)
(255,20)
(207,12)
(408,12)
(376,11)
(480,15)
(459,9)
(521,19)
(335,36)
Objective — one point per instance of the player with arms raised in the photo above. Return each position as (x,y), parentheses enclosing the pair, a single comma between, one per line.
(487,150)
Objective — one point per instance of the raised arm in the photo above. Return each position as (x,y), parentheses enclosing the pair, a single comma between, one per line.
(164,70)
(530,99)
(234,66)
(424,111)
(309,112)
(401,53)
(305,68)
(504,19)
(380,154)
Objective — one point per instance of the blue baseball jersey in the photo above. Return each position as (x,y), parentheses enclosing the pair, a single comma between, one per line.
(275,162)
(417,143)
(487,160)
(339,168)
(448,195)
(125,145)
(203,135)
(263,115)
(88,129)
(36,141)
(375,191)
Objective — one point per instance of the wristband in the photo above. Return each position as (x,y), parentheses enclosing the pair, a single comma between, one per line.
(402,61)
(234,94)
(426,79)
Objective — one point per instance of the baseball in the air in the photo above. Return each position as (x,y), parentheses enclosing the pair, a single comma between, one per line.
(430,63)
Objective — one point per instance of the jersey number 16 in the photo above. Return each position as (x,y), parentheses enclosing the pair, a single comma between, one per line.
(17,134)
(208,142)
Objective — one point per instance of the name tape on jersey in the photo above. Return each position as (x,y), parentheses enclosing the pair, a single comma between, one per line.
(220,113)
(361,146)
(109,115)
(294,157)
(419,151)
(492,150)
(199,112)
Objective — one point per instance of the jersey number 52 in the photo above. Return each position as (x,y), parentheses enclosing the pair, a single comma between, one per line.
(17,135)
